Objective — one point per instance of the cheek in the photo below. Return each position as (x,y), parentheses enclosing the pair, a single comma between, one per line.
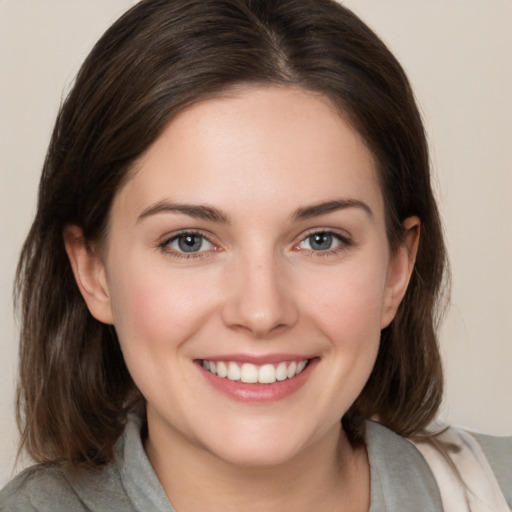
(349,314)
(155,314)
(349,302)
(154,310)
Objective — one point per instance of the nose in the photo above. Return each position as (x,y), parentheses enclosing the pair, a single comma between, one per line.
(261,300)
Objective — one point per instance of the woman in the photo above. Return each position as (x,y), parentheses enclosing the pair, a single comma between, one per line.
(236,246)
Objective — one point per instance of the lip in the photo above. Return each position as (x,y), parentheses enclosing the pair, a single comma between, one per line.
(259,360)
(258,393)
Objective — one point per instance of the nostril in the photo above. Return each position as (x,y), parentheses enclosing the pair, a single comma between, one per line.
(260,330)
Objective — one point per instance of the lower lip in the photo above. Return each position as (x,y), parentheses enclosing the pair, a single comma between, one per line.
(259,393)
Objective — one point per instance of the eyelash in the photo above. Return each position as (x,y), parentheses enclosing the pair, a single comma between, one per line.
(165,245)
(343,243)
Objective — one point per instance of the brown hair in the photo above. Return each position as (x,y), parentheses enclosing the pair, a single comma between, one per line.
(157,59)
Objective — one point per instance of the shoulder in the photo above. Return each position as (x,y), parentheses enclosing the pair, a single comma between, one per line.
(498,451)
(36,489)
(127,484)
(469,469)
(400,477)
(52,489)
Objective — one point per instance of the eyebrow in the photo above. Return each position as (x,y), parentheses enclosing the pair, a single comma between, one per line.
(197,211)
(330,206)
(213,214)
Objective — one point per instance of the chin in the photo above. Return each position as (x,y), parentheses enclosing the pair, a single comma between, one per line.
(254,455)
(261,447)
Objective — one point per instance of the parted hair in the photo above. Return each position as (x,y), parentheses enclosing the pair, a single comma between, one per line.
(159,58)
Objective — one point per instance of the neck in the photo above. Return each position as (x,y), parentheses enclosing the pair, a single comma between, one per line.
(327,475)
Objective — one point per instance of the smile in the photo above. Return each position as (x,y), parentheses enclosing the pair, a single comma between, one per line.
(255,374)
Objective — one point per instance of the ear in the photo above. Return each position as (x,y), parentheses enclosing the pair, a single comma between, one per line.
(89,271)
(400,269)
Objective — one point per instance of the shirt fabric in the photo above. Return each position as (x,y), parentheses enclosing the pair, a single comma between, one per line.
(401,480)
(466,480)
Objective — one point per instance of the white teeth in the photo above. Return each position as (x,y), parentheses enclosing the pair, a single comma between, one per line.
(291,369)
(249,373)
(267,374)
(252,374)
(281,371)
(222,369)
(233,371)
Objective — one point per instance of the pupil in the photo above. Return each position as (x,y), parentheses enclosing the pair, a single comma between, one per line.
(321,241)
(190,243)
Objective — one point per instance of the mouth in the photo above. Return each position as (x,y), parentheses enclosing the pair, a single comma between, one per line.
(256,381)
(250,373)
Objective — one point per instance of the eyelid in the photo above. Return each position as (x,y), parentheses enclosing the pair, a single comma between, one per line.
(182,232)
(338,233)
(165,242)
(344,239)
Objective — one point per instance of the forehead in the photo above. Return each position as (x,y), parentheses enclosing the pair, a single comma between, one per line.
(260,146)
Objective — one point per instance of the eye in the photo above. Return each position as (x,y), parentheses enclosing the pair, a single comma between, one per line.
(323,241)
(189,243)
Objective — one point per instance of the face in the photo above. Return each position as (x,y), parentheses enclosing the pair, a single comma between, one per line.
(248,274)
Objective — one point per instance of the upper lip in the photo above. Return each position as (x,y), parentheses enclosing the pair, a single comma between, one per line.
(258,360)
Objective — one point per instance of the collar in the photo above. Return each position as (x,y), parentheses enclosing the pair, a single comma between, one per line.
(401,480)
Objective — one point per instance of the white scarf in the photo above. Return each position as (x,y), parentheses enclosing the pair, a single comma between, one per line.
(479,490)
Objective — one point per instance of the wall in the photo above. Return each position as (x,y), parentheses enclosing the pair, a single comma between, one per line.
(459,57)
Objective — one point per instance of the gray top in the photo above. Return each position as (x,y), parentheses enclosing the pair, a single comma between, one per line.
(400,479)
(498,451)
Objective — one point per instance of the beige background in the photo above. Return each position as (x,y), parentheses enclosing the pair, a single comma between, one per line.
(458,54)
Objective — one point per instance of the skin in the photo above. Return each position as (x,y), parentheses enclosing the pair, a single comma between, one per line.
(256,287)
